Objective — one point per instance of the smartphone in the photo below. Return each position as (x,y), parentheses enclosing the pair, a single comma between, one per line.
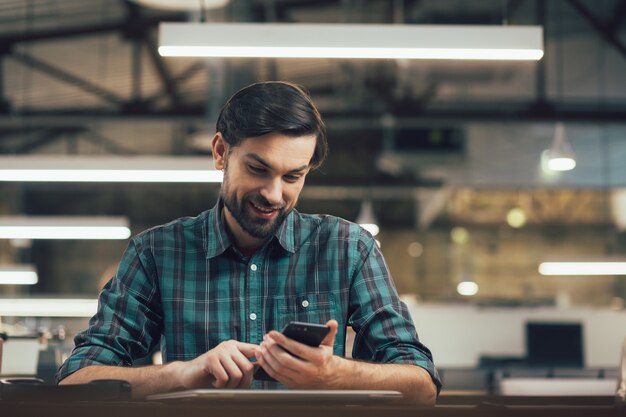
(310,334)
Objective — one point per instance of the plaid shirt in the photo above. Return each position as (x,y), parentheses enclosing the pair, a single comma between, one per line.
(186,286)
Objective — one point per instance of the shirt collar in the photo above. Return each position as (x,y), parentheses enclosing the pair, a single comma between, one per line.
(218,239)
(285,233)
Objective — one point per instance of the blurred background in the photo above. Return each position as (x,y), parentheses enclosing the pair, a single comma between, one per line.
(444,156)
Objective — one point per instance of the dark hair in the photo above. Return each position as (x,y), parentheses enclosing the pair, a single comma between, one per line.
(275,106)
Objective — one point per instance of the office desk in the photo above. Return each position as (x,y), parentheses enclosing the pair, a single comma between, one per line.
(485,407)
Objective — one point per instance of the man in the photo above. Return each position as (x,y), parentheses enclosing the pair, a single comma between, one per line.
(214,289)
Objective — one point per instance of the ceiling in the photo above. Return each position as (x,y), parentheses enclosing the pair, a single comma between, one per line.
(84,77)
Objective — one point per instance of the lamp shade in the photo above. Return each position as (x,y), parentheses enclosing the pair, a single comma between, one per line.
(47,307)
(18,275)
(108,169)
(560,156)
(289,40)
(182,5)
(366,218)
(64,227)
(583,268)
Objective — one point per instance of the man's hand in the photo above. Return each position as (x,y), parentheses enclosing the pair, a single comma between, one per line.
(225,366)
(312,368)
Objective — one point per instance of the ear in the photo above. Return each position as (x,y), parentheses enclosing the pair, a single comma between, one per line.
(219,147)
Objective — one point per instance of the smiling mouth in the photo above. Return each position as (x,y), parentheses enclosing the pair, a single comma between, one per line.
(268,211)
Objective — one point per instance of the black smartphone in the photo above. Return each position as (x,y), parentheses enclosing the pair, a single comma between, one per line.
(310,334)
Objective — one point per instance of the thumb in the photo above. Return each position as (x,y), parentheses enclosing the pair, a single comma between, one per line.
(329,340)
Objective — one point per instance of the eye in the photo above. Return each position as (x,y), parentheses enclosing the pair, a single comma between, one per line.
(256,170)
(292,178)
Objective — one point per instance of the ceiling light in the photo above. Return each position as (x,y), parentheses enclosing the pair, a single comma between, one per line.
(467,288)
(47,307)
(366,218)
(560,156)
(18,275)
(459,235)
(582,268)
(298,40)
(108,169)
(63,227)
(182,5)
(415,249)
(516,217)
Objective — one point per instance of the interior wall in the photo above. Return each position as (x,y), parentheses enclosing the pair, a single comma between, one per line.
(459,335)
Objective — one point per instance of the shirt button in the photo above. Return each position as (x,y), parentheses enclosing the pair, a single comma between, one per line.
(305,303)
(253,267)
(252,316)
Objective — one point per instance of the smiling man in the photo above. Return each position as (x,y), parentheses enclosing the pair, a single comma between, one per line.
(212,290)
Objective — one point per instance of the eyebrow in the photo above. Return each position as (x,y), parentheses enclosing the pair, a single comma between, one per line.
(267,165)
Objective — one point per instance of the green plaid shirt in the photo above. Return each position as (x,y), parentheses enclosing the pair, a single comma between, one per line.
(186,286)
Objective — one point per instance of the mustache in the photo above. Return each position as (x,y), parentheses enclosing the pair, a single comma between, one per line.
(259,200)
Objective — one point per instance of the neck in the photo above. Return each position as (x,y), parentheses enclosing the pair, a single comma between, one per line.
(248,252)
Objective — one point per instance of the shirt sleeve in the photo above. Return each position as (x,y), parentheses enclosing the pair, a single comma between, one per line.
(384,330)
(128,322)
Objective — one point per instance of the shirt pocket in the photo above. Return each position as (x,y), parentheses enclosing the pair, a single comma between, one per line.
(315,308)
(309,308)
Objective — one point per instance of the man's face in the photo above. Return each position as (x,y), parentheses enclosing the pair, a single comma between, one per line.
(263,178)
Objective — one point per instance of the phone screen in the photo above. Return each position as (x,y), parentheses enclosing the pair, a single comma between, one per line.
(310,334)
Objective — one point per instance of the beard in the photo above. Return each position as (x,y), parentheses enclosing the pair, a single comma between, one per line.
(255,226)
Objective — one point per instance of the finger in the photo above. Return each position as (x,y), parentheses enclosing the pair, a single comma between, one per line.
(296,348)
(285,358)
(261,361)
(218,374)
(247,369)
(293,367)
(276,369)
(329,340)
(248,349)
(234,373)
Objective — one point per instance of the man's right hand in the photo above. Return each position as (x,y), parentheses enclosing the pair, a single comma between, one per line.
(225,366)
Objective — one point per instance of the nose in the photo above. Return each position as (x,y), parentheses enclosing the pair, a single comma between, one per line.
(272,191)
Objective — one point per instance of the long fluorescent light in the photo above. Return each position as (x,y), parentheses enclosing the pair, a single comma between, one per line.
(47,307)
(582,268)
(297,40)
(63,227)
(108,169)
(18,275)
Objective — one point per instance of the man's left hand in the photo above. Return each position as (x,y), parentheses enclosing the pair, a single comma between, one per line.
(313,367)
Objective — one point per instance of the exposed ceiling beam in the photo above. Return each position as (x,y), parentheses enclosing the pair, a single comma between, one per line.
(169,84)
(619,13)
(43,138)
(604,31)
(540,66)
(10,39)
(187,73)
(67,77)
(111,146)
(494,113)
(5,106)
